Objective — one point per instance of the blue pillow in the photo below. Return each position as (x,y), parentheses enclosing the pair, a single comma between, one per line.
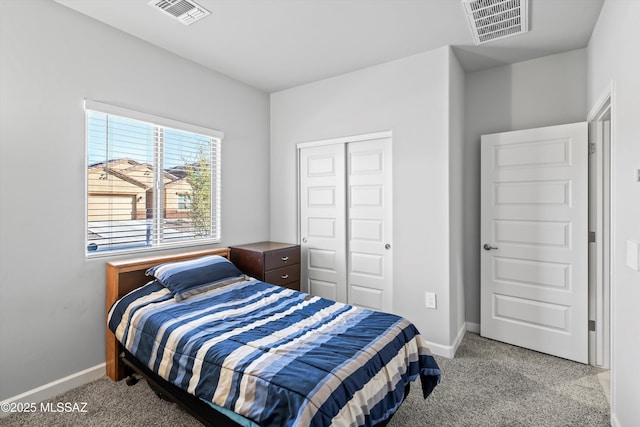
(194,276)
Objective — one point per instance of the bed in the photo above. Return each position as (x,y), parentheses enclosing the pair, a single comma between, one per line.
(233,350)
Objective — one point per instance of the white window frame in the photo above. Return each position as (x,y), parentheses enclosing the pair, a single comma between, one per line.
(162,122)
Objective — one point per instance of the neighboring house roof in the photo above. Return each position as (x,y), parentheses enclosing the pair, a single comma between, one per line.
(181,171)
(125,168)
(179,181)
(116,163)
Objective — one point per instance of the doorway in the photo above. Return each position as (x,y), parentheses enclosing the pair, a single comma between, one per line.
(534,229)
(598,254)
(600,229)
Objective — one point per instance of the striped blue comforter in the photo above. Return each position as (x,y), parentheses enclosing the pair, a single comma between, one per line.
(276,356)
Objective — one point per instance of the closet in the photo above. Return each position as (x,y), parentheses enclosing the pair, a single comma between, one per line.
(346,219)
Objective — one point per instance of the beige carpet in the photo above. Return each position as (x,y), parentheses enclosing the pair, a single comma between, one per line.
(486,384)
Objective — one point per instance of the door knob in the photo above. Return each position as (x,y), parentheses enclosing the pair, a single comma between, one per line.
(387,246)
(488,247)
(304,240)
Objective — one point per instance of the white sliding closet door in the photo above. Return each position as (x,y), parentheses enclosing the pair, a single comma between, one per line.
(369,224)
(323,222)
(345,220)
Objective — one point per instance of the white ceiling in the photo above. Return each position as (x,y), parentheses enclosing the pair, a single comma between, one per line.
(277,44)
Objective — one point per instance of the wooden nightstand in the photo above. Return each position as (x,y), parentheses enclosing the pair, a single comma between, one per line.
(271,262)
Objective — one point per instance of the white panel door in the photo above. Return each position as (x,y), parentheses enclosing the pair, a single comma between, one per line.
(323,222)
(534,231)
(369,201)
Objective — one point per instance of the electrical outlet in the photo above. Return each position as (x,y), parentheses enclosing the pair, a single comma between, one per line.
(430,299)
(633,254)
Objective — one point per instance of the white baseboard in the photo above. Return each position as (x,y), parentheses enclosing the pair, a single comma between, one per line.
(448,351)
(614,421)
(57,387)
(473,327)
(458,340)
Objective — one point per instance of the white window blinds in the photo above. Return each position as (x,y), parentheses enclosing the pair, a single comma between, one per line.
(151,181)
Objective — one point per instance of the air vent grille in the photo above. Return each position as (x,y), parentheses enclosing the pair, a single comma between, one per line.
(491,20)
(185,11)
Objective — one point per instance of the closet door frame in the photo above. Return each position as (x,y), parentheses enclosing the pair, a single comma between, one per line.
(344,141)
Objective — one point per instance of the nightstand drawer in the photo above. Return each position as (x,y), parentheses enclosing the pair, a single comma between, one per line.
(284,275)
(293,285)
(281,258)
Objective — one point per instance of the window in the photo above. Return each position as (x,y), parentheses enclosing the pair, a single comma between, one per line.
(184,201)
(151,182)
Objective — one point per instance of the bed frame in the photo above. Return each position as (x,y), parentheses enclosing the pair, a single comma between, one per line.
(123,277)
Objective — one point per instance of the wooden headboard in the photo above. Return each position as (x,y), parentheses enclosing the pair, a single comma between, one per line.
(123,277)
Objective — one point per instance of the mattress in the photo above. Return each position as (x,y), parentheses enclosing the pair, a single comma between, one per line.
(276,356)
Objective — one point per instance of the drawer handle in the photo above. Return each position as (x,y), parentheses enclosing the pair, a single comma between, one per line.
(285,258)
(284,276)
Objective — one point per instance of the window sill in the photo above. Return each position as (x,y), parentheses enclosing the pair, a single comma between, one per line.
(150,249)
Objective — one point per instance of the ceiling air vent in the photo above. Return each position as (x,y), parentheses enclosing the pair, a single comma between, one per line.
(491,20)
(185,11)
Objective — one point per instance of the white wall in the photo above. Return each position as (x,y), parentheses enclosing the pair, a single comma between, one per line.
(457,202)
(613,57)
(540,92)
(410,97)
(51,58)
